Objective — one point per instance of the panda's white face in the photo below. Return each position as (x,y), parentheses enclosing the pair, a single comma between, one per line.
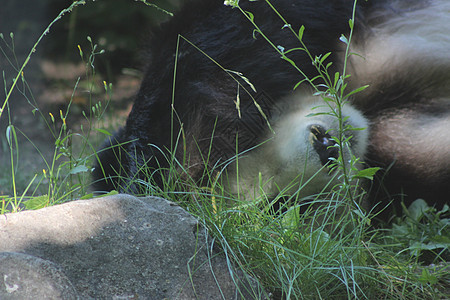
(298,151)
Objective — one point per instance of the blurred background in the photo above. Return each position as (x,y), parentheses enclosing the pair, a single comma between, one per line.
(56,74)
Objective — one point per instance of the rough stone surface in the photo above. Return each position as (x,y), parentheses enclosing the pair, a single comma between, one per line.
(116,247)
(20,274)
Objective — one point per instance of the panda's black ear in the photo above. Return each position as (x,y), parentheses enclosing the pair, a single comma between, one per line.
(109,162)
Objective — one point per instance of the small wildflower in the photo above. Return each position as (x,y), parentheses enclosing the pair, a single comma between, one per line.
(62,117)
(51,115)
(232,3)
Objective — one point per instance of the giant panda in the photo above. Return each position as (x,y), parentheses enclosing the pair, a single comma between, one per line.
(216,95)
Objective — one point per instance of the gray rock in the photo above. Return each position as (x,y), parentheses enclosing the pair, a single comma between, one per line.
(24,276)
(119,247)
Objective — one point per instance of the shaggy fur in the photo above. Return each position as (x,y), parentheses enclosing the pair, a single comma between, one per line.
(404,54)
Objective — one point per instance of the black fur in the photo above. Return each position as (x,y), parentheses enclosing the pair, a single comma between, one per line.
(204,94)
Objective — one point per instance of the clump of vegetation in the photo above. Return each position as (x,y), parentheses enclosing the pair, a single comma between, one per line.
(59,172)
(307,249)
(423,232)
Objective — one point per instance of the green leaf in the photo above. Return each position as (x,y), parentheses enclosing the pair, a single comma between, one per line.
(427,277)
(325,56)
(367,173)
(300,32)
(400,230)
(293,49)
(298,83)
(36,202)
(250,15)
(78,169)
(417,209)
(103,131)
(255,33)
(88,196)
(362,216)
(110,194)
(357,90)
(290,218)
(9,130)
(289,60)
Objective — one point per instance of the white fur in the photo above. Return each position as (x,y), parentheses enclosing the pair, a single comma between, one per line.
(419,144)
(417,41)
(288,160)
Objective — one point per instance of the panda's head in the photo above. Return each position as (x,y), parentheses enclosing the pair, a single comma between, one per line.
(305,134)
(302,148)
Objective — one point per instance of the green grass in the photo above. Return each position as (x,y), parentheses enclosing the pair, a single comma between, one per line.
(330,250)
(65,172)
(318,253)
